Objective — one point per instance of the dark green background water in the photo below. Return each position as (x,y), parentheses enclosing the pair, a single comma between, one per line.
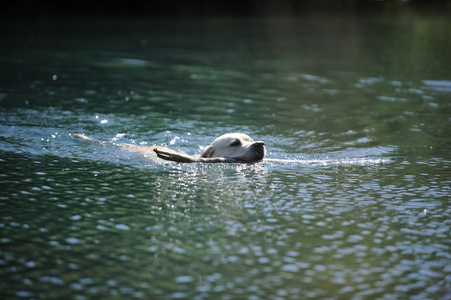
(82,221)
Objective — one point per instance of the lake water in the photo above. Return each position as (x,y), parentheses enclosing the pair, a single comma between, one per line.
(361,102)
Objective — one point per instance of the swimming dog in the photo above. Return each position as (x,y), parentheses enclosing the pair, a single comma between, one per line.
(228,148)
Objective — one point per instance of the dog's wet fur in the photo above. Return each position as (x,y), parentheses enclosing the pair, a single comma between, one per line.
(230,148)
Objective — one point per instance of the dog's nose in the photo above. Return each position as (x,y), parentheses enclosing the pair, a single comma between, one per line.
(260,143)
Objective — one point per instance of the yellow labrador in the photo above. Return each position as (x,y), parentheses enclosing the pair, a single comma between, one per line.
(229,148)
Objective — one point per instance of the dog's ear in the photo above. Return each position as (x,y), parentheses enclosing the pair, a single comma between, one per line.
(208,152)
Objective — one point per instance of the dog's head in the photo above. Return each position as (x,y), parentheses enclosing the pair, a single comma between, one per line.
(238,146)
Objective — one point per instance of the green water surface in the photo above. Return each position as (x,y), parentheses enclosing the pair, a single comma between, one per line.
(86,221)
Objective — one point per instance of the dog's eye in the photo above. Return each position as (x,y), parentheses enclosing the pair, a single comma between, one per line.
(235,143)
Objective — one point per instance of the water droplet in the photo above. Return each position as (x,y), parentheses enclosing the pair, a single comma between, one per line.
(290,268)
(183,279)
(72,240)
(122,227)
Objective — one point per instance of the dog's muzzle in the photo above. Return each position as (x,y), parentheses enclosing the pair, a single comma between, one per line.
(258,150)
